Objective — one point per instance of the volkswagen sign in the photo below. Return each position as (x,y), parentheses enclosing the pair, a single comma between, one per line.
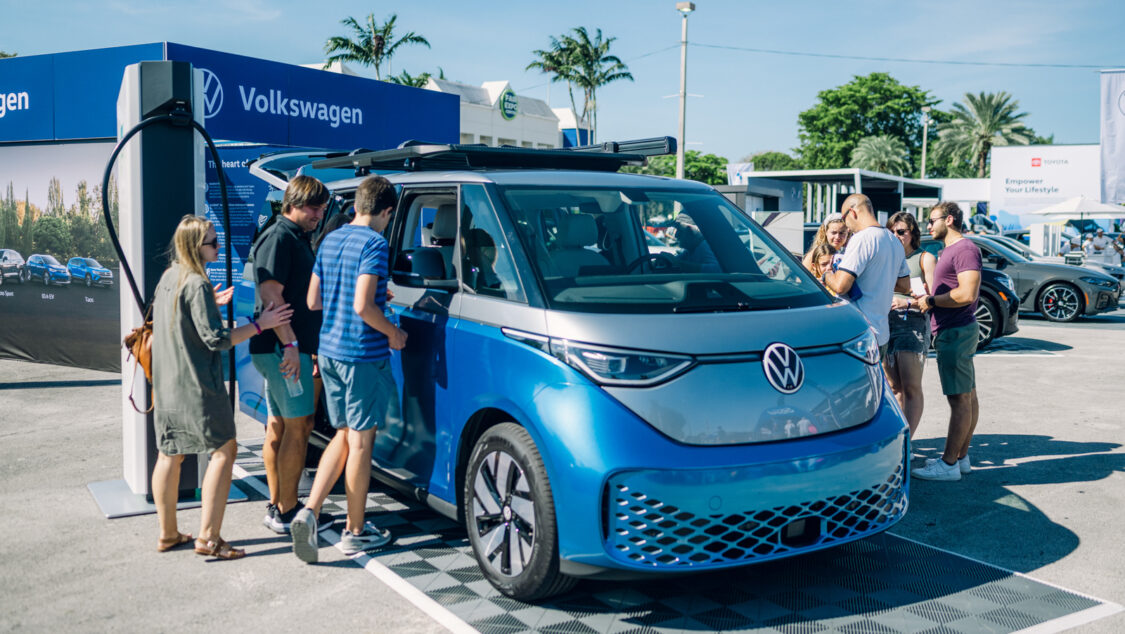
(212,94)
(783,368)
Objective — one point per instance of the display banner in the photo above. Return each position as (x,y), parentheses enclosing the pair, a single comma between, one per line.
(1113,137)
(1030,177)
(50,206)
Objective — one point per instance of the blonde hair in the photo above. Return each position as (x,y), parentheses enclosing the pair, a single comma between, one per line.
(186,245)
(818,252)
(821,236)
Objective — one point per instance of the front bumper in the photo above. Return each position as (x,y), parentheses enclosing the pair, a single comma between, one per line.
(629,501)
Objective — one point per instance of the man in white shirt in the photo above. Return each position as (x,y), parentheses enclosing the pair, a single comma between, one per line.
(1101,241)
(875,260)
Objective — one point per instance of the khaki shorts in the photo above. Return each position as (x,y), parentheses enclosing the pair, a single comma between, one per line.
(955,349)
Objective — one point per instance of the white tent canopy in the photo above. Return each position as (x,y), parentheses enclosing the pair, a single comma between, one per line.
(1081,208)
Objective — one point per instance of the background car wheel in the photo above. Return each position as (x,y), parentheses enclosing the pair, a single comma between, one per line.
(1060,302)
(510,515)
(988,319)
(89,281)
(22,276)
(46,279)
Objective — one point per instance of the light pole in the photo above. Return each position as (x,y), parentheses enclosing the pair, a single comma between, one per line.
(925,136)
(684,8)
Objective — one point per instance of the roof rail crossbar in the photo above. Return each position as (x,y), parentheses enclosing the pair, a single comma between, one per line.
(416,156)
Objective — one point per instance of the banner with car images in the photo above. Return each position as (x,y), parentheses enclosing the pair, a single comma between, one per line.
(59,274)
(1113,136)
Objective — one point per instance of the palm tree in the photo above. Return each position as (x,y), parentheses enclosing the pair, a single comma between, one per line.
(883,153)
(418,81)
(584,62)
(4,54)
(989,119)
(373,45)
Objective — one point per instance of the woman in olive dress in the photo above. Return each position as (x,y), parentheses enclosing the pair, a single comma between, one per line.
(192,411)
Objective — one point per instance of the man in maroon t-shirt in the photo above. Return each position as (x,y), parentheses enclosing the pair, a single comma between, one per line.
(954,303)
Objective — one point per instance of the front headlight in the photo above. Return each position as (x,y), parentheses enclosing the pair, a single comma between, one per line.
(1102,282)
(1007,282)
(864,347)
(606,365)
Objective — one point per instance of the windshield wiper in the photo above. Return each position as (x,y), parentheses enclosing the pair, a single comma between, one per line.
(714,308)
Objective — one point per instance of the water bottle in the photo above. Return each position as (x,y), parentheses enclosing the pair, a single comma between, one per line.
(293,386)
(389,313)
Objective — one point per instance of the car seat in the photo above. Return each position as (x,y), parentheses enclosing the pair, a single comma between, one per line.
(443,233)
(575,233)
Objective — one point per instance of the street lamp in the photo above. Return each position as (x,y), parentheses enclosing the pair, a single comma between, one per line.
(684,8)
(925,136)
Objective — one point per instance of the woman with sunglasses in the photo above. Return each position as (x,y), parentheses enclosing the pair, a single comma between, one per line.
(910,328)
(192,411)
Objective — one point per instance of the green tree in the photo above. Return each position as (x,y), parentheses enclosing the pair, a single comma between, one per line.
(705,168)
(983,121)
(55,205)
(772,161)
(374,44)
(870,105)
(586,63)
(418,81)
(51,235)
(883,153)
(4,54)
(556,62)
(9,222)
(27,224)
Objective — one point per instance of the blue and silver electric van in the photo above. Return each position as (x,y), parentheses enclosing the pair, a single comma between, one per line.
(589,403)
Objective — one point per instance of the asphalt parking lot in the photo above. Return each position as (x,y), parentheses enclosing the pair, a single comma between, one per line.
(1045,500)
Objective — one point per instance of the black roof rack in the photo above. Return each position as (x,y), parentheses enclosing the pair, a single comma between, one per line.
(418,156)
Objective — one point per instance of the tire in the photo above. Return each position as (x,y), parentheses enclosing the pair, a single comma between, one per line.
(988,318)
(1060,302)
(89,281)
(22,277)
(511,523)
(46,278)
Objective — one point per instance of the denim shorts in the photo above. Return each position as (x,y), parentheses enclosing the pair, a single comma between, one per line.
(955,350)
(361,395)
(277,395)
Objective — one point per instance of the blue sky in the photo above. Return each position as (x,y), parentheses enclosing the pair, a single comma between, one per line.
(749,101)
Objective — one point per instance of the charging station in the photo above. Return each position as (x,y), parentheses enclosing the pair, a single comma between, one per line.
(161,178)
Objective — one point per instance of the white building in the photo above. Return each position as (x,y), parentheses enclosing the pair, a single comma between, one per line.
(493,114)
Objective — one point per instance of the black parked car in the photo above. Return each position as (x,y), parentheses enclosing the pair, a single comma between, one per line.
(999,305)
(11,266)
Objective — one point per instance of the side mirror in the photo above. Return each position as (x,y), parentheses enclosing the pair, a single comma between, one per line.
(422,268)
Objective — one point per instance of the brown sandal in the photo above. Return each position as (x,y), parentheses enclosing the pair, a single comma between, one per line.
(218,548)
(163,545)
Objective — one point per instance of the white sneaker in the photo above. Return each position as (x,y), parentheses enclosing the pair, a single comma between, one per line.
(371,537)
(962,464)
(938,470)
(303,531)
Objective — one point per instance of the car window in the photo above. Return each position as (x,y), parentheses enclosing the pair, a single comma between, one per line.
(995,247)
(590,250)
(487,264)
(430,222)
(50,259)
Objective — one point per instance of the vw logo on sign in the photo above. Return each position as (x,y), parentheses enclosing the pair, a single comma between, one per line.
(212,94)
(783,368)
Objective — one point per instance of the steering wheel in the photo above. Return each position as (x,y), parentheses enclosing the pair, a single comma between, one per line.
(660,261)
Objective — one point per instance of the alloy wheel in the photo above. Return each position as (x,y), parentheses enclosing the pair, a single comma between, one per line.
(1060,302)
(986,321)
(504,511)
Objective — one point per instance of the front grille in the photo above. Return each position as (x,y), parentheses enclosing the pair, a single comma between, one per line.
(645,530)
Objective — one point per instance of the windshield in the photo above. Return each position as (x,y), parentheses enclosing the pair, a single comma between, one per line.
(1002,250)
(92,263)
(653,251)
(50,259)
(1014,245)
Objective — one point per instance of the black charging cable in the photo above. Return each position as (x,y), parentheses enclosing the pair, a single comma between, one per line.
(178,117)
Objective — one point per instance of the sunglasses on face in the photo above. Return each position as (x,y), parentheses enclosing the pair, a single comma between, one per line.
(934,219)
(902,232)
(214,244)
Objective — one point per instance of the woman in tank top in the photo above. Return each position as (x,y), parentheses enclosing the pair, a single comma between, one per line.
(910,329)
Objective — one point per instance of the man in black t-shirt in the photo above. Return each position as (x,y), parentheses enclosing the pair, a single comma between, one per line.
(282,264)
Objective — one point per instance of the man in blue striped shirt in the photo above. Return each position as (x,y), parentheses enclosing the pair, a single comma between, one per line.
(349,283)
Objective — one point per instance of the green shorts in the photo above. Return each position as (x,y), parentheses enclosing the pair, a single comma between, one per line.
(277,394)
(360,395)
(955,349)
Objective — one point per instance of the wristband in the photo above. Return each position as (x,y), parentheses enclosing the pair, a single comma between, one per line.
(256,326)
(291,344)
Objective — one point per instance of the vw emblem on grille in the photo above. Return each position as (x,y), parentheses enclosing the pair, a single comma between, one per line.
(783,368)
(212,94)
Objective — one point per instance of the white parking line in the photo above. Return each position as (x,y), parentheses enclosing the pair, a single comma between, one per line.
(421,600)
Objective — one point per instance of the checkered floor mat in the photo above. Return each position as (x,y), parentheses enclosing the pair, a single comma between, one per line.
(884,584)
